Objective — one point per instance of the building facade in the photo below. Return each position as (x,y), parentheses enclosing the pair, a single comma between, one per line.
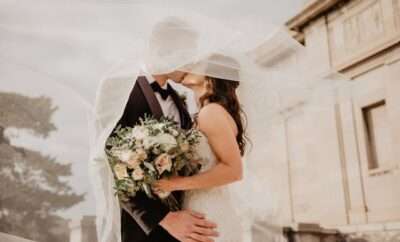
(347,175)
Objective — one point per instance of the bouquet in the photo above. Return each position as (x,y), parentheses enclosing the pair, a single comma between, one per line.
(150,151)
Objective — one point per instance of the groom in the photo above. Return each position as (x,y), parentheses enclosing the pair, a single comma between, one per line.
(144,219)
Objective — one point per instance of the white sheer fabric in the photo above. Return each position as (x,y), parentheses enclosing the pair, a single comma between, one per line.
(108,42)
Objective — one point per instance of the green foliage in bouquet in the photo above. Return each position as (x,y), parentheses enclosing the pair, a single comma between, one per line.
(152,150)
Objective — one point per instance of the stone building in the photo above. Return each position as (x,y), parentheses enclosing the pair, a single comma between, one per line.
(350,182)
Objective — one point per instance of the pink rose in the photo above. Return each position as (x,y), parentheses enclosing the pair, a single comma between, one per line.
(137,174)
(163,163)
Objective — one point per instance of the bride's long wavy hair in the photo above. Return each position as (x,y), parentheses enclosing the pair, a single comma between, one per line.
(223,92)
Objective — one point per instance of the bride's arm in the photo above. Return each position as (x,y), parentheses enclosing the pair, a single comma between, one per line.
(215,123)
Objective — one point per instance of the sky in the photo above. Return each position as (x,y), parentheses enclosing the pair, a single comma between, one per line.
(41,55)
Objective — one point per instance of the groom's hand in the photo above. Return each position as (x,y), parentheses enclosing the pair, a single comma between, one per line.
(189,226)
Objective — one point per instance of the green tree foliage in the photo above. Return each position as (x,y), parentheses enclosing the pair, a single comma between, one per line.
(33,186)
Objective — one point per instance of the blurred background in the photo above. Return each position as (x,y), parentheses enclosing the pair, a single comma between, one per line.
(340,167)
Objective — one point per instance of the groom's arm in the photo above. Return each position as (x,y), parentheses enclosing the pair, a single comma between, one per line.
(159,223)
(147,212)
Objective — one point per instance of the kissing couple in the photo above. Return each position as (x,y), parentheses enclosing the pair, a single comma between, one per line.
(208,212)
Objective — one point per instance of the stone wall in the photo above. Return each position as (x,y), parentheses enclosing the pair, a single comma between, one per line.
(344,167)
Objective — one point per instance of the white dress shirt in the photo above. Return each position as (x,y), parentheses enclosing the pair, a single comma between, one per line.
(168,105)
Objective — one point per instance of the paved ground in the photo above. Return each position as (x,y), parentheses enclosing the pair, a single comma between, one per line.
(10,238)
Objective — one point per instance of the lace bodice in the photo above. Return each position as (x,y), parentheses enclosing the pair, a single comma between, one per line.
(206,154)
(215,202)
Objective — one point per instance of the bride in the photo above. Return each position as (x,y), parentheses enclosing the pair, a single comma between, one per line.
(220,120)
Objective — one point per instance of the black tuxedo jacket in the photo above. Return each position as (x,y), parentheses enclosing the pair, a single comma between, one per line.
(141,216)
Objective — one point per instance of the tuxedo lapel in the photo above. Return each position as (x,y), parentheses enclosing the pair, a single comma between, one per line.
(150,97)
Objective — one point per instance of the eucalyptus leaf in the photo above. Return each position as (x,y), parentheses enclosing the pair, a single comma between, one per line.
(147,190)
(149,166)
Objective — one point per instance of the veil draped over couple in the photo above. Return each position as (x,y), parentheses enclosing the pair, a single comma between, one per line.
(209,208)
(237,90)
(223,200)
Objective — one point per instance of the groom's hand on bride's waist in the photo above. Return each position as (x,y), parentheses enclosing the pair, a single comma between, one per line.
(189,226)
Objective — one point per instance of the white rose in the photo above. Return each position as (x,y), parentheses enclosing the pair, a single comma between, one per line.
(163,163)
(139,132)
(149,142)
(121,171)
(137,174)
(166,141)
(125,155)
(174,132)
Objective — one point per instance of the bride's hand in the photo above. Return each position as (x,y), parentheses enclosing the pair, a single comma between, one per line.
(166,185)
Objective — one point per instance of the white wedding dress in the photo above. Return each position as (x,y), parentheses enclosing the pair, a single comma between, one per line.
(216,203)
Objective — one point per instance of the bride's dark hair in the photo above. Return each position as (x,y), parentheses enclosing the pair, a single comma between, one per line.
(223,92)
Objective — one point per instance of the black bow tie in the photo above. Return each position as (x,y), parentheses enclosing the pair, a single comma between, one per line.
(163,92)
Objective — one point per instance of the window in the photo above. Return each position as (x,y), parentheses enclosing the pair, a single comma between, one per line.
(378,135)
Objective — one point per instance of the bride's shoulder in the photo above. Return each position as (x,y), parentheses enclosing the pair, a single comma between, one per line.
(212,110)
(212,116)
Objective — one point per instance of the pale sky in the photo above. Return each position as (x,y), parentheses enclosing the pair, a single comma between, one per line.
(58,70)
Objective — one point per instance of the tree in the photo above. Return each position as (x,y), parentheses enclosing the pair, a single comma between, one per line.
(33,186)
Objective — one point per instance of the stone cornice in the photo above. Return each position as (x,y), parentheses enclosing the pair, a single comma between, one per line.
(312,10)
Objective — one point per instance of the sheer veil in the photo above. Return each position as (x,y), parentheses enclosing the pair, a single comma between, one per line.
(111,41)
